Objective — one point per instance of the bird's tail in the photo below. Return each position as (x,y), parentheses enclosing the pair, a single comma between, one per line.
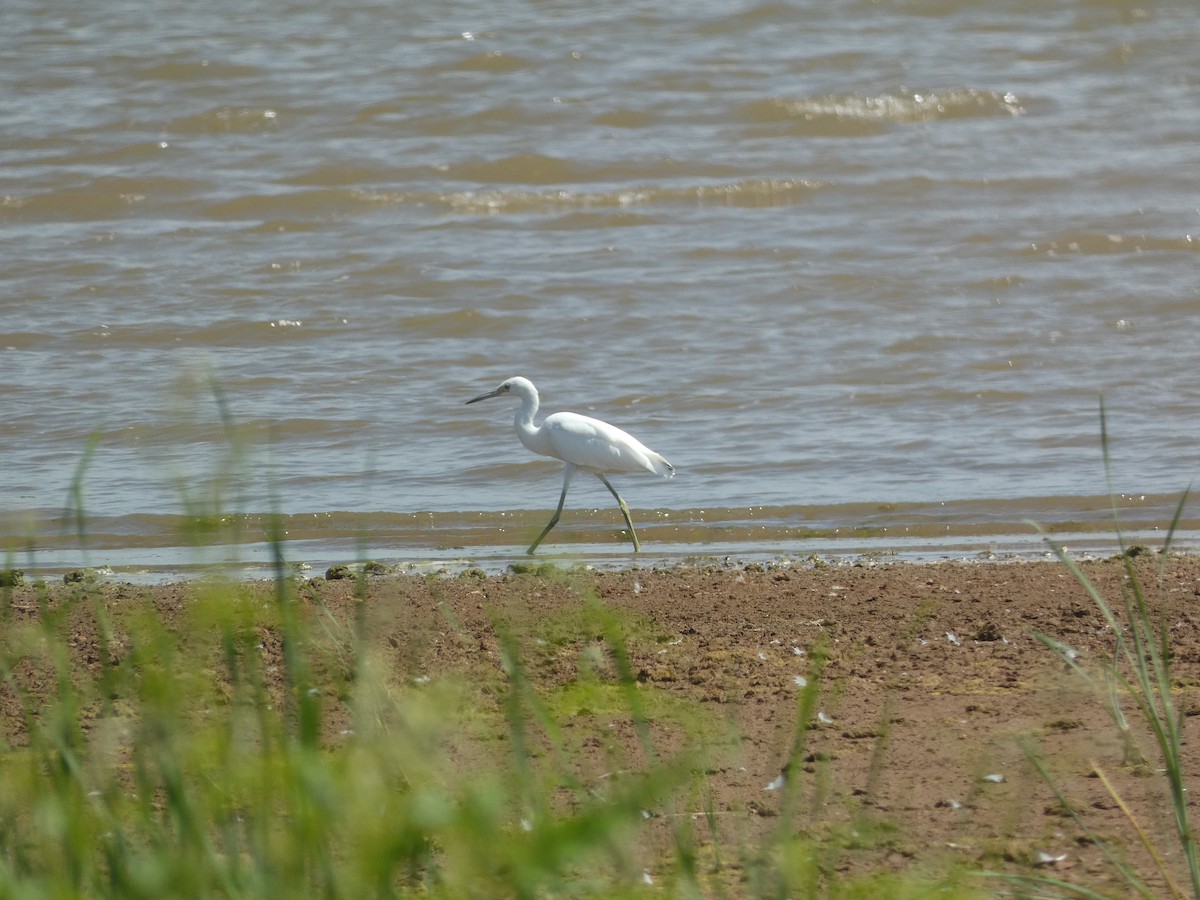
(659,465)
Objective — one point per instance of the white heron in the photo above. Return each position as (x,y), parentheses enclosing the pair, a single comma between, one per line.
(583,443)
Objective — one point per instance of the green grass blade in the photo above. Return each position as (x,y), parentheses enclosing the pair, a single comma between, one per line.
(1127,874)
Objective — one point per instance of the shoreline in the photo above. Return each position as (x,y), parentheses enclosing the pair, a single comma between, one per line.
(55,541)
(251,563)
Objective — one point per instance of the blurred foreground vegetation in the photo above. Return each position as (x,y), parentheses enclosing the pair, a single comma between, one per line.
(261,740)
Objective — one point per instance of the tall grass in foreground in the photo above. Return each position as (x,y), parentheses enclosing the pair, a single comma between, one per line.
(1139,674)
(174,762)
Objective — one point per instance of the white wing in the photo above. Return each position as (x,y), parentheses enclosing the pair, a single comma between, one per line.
(598,447)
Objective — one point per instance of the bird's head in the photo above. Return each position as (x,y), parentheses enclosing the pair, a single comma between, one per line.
(522,387)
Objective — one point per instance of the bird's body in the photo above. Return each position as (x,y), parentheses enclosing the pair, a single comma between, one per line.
(582,443)
(590,445)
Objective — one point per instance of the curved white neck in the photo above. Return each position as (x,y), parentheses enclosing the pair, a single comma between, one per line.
(523,420)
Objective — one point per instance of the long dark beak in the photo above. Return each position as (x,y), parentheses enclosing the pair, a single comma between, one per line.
(496,393)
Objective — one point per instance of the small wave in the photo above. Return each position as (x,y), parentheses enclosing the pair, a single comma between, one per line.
(538,169)
(754,16)
(281,226)
(489,61)
(98,200)
(250,432)
(224,119)
(188,69)
(233,332)
(853,114)
(344,174)
(318,203)
(1096,244)
(504,118)
(22,340)
(750,193)
(456,324)
(586,220)
(531,168)
(626,118)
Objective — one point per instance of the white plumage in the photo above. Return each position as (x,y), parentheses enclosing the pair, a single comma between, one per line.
(582,443)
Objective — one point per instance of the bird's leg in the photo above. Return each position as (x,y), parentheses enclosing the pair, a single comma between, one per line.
(637,548)
(553,521)
(567,475)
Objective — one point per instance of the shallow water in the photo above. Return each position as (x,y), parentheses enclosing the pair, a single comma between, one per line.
(855,268)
